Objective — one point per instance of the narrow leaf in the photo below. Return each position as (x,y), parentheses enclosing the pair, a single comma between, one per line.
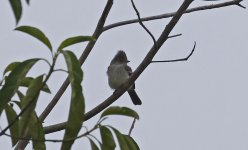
(116,110)
(16,6)
(13,81)
(108,142)
(11,116)
(37,33)
(93,145)
(121,139)
(27,80)
(37,133)
(77,106)
(131,143)
(29,102)
(20,95)
(74,40)
(11,66)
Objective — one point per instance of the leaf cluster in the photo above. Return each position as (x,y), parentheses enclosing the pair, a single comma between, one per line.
(27,124)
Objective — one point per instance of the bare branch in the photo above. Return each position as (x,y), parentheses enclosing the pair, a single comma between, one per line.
(167,15)
(132,127)
(176,60)
(176,35)
(141,23)
(55,140)
(241,6)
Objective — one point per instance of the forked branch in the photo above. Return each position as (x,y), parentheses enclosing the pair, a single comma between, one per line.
(168,15)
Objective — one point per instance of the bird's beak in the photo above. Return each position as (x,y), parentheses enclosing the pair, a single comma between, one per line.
(128,61)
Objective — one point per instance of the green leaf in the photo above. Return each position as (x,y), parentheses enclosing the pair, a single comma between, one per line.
(126,142)
(20,95)
(77,106)
(36,131)
(74,40)
(121,139)
(93,145)
(108,142)
(27,80)
(131,143)
(11,116)
(116,110)
(29,102)
(13,81)
(37,33)
(11,66)
(16,6)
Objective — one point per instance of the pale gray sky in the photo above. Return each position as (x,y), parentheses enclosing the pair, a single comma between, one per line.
(200,104)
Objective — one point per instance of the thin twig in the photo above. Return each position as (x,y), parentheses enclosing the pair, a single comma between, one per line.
(176,60)
(54,140)
(94,137)
(172,36)
(167,15)
(50,65)
(60,70)
(132,127)
(141,23)
(241,6)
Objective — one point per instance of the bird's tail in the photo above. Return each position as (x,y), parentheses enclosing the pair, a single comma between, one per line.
(134,97)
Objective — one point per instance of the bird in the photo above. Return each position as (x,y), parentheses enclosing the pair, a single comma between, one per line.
(119,72)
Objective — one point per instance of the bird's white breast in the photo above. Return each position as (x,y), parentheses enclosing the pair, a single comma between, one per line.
(117,75)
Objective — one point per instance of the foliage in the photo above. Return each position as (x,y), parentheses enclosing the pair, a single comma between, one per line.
(28,123)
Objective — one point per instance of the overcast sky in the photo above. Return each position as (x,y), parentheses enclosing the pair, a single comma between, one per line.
(200,104)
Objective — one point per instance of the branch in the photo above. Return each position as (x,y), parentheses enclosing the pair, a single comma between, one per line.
(167,15)
(176,60)
(132,127)
(147,60)
(55,140)
(141,23)
(176,35)
(241,6)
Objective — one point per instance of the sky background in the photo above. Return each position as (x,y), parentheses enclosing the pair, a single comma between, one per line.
(199,104)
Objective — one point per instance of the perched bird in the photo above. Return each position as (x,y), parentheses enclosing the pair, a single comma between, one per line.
(118,73)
